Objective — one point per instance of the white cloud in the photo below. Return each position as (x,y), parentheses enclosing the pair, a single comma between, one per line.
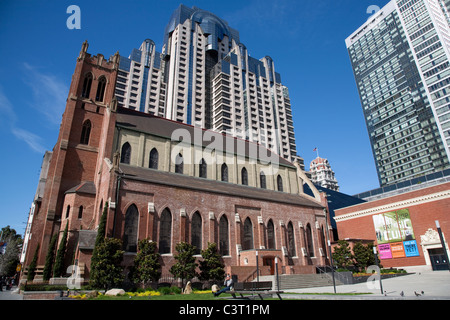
(33,141)
(49,93)
(8,117)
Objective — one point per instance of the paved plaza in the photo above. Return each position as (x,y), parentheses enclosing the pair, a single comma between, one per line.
(434,284)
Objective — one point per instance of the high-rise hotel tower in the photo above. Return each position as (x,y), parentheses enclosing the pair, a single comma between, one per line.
(205,77)
(401,63)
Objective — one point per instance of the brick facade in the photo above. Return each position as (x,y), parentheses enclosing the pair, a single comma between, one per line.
(425,206)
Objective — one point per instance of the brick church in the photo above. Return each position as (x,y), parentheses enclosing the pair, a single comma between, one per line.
(170,182)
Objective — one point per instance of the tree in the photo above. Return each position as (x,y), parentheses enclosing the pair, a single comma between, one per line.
(107,272)
(10,259)
(100,238)
(58,269)
(185,266)
(342,254)
(212,267)
(363,256)
(146,263)
(47,273)
(32,266)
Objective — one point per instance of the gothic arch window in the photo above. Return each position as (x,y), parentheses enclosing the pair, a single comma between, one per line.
(153,162)
(130,232)
(125,155)
(309,241)
(223,236)
(291,239)
(224,171)
(67,211)
(244,177)
(279,183)
(270,235)
(202,169)
(196,232)
(80,212)
(248,235)
(87,86)
(100,89)
(262,180)
(179,164)
(85,132)
(165,232)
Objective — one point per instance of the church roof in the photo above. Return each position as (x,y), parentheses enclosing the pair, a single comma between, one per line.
(214,186)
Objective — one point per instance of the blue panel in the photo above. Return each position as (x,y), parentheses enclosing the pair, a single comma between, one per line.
(157,63)
(124,63)
(234,59)
(226,67)
(277,77)
(136,55)
(144,91)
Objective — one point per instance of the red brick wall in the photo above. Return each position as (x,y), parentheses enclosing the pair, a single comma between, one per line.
(423,216)
(140,193)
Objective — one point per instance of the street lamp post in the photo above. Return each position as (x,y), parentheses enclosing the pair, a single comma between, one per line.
(379,270)
(276,271)
(443,243)
(257,267)
(329,248)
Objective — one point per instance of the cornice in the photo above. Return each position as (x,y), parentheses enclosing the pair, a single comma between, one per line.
(394,206)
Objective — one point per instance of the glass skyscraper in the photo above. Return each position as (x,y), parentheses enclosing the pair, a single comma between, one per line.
(400,60)
(205,77)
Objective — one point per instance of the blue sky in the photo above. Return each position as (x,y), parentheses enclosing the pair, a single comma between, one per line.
(305,39)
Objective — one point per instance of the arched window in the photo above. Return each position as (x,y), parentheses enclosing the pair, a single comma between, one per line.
(165,232)
(280,183)
(309,241)
(179,164)
(270,235)
(67,211)
(85,132)
(224,171)
(244,177)
(130,232)
(262,180)
(100,89)
(223,236)
(291,239)
(248,235)
(202,169)
(196,232)
(80,212)
(125,155)
(87,86)
(153,162)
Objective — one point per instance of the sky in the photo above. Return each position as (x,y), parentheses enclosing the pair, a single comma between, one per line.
(305,38)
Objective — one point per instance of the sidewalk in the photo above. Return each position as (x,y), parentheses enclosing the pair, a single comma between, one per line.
(12,294)
(434,284)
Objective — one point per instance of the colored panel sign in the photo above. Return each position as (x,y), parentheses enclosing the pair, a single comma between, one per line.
(384,251)
(411,249)
(395,228)
(392,228)
(405,225)
(397,250)
(380,228)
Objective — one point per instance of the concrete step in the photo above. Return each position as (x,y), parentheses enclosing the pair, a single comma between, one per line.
(299,281)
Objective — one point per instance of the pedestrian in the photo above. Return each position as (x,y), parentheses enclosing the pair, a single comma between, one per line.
(228,283)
